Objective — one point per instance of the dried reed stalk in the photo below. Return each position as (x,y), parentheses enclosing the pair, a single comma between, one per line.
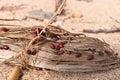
(15,73)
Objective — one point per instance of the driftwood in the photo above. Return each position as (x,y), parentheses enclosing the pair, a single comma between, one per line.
(60,50)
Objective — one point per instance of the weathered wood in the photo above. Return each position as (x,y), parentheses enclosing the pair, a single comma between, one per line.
(15,73)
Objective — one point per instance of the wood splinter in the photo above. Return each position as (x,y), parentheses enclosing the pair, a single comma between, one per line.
(15,73)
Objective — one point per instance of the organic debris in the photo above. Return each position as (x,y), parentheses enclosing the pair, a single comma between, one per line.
(51,48)
(58,48)
(102,30)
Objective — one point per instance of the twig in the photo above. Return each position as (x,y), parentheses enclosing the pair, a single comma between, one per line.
(15,73)
(101,30)
(9,20)
(116,29)
(59,10)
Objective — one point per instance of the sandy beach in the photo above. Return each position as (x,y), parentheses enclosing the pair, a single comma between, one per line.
(94,15)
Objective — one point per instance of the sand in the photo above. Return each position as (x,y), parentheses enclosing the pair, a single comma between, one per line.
(96,14)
